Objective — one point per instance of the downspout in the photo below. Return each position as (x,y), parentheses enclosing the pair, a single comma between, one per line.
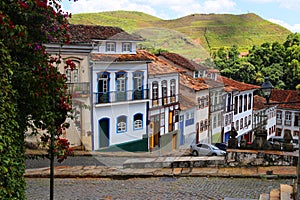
(92,103)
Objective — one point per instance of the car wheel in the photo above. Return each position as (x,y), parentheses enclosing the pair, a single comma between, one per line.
(214,154)
(195,153)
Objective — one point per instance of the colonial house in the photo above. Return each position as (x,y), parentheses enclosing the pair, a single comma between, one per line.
(120,93)
(163,109)
(195,119)
(287,114)
(109,87)
(264,116)
(216,109)
(238,108)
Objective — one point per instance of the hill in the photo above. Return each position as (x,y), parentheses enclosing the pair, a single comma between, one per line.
(193,36)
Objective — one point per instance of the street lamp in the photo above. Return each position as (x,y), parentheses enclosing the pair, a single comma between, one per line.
(266,88)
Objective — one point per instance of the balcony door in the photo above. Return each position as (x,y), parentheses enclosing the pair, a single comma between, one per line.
(103,88)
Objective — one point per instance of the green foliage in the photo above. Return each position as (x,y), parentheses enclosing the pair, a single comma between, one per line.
(32,90)
(279,62)
(193,36)
(12,184)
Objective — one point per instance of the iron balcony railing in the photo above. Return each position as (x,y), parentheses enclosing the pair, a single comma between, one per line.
(164,100)
(79,88)
(114,96)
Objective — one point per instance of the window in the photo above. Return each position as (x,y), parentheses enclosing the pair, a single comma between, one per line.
(162,119)
(297,120)
(173,90)
(242,123)
(154,93)
(121,86)
(288,118)
(201,126)
(205,125)
(207,100)
(110,47)
(215,122)
(246,121)
(138,85)
(240,104)
(237,125)
(103,87)
(73,75)
(121,124)
(196,74)
(229,103)
(126,47)
(245,102)
(189,119)
(226,120)
(236,105)
(219,119)
(164,92)
(138,121)
(249,102)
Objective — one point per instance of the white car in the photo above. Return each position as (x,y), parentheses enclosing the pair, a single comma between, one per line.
(203,149)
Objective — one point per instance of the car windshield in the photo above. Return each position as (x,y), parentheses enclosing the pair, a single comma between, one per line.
(214,147)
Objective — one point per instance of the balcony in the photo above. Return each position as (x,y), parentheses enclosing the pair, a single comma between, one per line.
(79,88)
(164,101)
(130,95)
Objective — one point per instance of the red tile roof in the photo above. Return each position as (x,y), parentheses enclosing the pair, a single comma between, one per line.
(259,103)
(158,66)
(182,61)
(186,103)
(193,83)
(232,85)
(88,33)
(120,57)
(286,96)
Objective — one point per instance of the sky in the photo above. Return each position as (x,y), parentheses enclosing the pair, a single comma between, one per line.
(283,12)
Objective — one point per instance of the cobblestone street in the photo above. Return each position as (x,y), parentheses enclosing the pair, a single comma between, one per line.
(152,188)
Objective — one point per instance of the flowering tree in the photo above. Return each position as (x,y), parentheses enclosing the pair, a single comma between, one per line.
(32,90)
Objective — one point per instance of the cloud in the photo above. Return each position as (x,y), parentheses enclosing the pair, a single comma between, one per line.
(288,4)
(294,28)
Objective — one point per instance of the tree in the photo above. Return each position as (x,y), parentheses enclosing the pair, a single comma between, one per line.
(33,94)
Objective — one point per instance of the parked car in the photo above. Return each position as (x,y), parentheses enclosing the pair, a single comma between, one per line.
(203,149)
(222,146)
(280,140)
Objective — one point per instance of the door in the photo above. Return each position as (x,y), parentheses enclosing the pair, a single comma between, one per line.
(104,133)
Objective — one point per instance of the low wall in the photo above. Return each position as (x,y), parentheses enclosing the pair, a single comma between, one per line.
(241,157)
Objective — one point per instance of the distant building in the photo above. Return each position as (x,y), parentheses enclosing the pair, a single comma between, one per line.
(264,116)
(288,115)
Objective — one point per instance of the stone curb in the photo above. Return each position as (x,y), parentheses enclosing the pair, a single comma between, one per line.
(121,173)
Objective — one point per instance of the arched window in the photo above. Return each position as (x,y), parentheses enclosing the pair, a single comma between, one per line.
(154,93)
(121,124)
(138,121)
(164,92)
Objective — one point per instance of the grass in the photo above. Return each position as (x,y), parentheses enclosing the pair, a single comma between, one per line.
(191,36)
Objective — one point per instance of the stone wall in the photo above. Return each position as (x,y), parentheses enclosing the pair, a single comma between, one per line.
(239,157)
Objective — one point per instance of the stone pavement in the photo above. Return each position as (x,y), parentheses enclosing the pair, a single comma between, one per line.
(158,164)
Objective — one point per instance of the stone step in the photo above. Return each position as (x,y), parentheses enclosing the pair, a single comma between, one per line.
(175,162)
(275,194)
(264,197)
(286,192)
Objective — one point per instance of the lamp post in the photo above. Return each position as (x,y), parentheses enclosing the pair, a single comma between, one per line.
(266,88)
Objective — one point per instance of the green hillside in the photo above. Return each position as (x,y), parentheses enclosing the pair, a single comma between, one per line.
(193,36)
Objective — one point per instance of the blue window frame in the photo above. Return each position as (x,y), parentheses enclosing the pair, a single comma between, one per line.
(103,87)
(126,47)
(138,81)
(121,85)
(111,47)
